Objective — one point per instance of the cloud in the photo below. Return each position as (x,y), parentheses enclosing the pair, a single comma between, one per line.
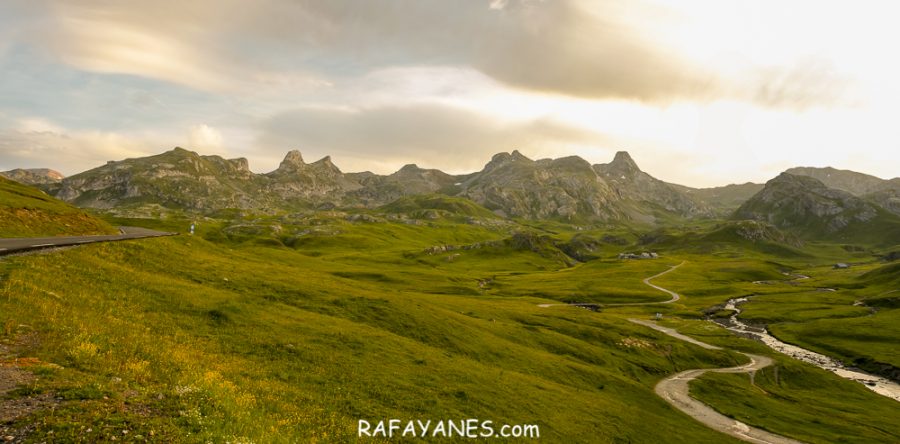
(807,84)
(203,137)
(385,138)
(39,143)
(557,47)
(35,143)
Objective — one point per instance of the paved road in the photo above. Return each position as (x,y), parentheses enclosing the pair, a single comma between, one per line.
(675,296)
(17,245)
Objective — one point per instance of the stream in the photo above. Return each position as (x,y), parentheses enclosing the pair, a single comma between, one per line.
(878,384)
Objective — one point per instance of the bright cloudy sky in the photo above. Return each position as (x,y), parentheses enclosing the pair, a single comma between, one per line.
(700,92)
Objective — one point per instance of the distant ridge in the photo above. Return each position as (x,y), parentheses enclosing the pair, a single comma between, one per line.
(510,185)
(33,176)
(885,193)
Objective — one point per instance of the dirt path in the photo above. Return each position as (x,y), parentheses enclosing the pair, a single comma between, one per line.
(675,390)
(675,296)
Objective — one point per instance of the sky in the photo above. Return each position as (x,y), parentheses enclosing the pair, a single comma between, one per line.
(699,92)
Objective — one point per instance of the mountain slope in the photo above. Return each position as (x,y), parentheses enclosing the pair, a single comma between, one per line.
(566,188)
(630,183)
(33,176)
(298,182)
(806,207)
(28,212)
(723,200)
(885,193)
(858,184)
(175,179)
(408,181)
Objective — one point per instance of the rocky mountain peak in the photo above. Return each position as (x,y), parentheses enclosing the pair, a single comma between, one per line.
(623,163)
(240,164)
(410,168)
(517,156)
(326,163)
(292,160)
(501,159)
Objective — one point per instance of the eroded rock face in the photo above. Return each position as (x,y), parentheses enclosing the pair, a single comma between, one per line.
(801,202)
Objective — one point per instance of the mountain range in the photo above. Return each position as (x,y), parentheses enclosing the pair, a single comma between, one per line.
(808,202)
(510,184)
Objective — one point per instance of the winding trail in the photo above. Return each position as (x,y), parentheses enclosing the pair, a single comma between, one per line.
(675,390)
(675,296)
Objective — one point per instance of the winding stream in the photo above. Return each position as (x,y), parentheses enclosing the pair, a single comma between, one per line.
(878,384)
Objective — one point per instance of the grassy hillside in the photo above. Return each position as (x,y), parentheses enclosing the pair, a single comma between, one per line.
(168,337)
(421,204)
(28,212)
(263,339)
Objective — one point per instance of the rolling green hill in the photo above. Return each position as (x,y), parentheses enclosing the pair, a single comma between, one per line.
(29,212)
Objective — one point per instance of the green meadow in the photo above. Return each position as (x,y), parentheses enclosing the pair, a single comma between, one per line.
(292,329)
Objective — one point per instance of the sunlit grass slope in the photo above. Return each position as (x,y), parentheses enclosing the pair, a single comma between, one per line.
(28,212)
(185,340)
